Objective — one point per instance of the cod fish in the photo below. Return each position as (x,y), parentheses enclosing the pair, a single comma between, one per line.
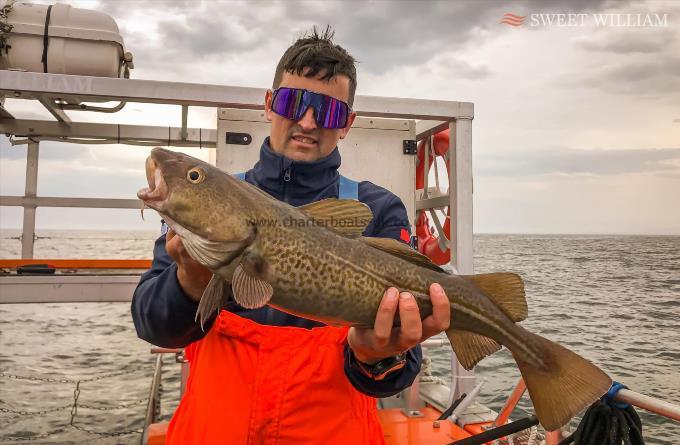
(312,261)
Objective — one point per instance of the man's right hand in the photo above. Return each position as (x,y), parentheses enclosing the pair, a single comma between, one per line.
(193,278)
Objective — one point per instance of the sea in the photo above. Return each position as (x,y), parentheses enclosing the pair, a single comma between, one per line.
(613,299)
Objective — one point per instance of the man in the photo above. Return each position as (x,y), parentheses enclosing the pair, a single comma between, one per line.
(264,376)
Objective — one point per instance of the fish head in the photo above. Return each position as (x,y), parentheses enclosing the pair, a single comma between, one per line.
(195,195)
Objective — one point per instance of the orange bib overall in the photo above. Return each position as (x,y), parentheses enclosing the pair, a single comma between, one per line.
(257,384)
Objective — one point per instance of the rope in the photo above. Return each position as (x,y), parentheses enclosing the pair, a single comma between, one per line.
(66,380)
(426,372)
(608,422)
(75,406)
(38,238)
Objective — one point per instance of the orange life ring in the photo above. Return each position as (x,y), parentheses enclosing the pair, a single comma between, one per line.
(428,242)
(440,142)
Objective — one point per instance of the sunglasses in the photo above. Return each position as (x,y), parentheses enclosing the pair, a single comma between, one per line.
(292,103)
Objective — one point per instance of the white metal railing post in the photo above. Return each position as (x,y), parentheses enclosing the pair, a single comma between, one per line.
(28,230)
(651,404)
(460,195)
(460,180)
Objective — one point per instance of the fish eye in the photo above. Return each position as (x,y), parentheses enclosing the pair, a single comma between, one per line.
(195,175)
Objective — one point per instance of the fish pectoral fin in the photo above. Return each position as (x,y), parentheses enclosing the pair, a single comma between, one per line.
(403,251)
(346,217)
(470,347)
(251,290)
(215,297)
(506,290)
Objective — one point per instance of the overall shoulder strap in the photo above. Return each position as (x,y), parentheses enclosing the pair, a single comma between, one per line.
(241,176)
(348,189)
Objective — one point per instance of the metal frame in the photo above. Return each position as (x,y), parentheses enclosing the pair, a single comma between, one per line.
(89,288)
(25,85)
(431,116)
(92,133)
(434,115)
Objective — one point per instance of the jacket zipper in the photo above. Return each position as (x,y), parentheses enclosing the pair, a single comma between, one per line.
(286,180)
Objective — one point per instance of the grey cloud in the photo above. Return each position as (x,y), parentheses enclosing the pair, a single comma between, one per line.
(629,41)
(9,152)
(122,8)
(222,28)
(464,70)
(28,114)
(659,76)
(571,161)
(48,151)
(382,35)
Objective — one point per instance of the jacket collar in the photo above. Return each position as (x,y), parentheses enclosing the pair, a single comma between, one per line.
(296,182)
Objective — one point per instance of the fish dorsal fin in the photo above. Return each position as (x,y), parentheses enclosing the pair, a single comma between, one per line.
(470,348)
(506,290)
(403,251)
(346,217)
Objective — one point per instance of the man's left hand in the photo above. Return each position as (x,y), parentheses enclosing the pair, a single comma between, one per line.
(372,345)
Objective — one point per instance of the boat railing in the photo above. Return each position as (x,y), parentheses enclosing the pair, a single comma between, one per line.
(651,404)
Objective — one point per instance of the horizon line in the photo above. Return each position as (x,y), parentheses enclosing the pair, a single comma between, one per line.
(111,229)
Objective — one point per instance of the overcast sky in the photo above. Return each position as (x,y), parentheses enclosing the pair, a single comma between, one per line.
(576,129)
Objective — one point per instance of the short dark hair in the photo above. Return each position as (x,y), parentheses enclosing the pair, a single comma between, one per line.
(318,54)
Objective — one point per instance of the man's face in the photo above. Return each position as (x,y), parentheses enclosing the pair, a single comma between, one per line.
(304,140)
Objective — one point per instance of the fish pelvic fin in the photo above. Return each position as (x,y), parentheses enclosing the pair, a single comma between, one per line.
(567,384)
(215,297)
(470,348)
(346,217)
(506,289)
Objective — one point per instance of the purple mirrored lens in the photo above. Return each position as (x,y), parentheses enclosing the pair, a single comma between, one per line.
(287,102)
(333,112)
(292,103)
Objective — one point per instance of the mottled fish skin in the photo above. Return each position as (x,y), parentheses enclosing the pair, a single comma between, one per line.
(320,275)
(315,272)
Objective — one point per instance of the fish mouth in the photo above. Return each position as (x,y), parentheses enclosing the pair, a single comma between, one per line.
(157,192)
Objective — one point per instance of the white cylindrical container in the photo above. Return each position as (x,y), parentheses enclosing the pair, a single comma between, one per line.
(75,41)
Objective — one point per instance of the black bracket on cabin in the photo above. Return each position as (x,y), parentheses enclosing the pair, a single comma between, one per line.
(409,147)
(239,138)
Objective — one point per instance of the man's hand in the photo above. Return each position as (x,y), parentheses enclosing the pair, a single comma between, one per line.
(372,345)
(193,278)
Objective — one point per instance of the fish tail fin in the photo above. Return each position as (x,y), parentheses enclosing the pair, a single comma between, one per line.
(564,385)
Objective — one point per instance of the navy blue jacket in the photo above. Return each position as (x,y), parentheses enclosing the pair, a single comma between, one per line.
(163,315)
